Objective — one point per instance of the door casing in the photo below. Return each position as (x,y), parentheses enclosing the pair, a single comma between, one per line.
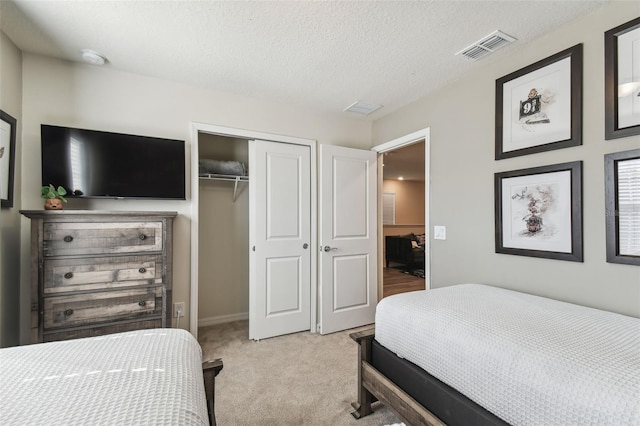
(193,195)
(409,139)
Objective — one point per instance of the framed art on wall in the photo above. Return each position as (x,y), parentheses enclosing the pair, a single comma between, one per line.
(538,212)
(7,158)
(622,80)
(622,200)
(539,107)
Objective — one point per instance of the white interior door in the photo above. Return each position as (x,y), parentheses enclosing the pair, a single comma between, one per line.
(280,235)
(348,241)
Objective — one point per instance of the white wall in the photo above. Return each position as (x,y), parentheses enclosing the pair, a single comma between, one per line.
(409,200)
(69,94)
(461,119)
(10,103)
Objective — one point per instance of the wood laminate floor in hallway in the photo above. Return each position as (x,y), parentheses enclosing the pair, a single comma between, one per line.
(397,281)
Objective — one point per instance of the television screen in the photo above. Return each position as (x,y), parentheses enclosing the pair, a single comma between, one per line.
(95,164)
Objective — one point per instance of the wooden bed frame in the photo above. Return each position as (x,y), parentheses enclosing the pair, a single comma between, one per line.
(373,385)
(210,370)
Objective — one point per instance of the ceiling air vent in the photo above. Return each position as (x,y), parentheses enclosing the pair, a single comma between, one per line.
(362,108)
(488,44)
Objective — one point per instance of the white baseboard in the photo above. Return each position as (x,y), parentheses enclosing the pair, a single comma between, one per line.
(205,322)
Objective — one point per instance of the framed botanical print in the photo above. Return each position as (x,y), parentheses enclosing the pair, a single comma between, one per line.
(538,212)
(622,80)
(622,200)
(539,107)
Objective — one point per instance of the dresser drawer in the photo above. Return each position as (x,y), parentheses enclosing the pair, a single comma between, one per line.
(100,307)
(77,333)
(83,238)
(98,273)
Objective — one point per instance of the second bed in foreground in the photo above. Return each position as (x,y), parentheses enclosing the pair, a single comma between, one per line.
(495,356)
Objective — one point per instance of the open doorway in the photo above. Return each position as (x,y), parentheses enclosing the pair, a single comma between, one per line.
(403,219)
(403,190)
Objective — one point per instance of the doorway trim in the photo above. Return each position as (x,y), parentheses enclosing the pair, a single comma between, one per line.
(197,128)
(400,142)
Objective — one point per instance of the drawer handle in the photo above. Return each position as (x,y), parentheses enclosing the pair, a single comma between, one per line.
(142,270)
(142,303)
(68,312)
(142,236)
(68,239)
(68,275)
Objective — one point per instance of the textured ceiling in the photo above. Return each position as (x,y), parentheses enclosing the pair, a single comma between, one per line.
(320,55)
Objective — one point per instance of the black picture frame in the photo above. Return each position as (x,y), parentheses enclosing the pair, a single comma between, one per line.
(612,205)
(7,158)
(545,104)
(553,195)
(612,127)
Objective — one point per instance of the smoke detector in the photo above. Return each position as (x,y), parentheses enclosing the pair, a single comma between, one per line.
(92,57)
(362,108)
(486,45)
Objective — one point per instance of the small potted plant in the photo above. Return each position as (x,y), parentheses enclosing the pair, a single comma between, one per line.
(53,198)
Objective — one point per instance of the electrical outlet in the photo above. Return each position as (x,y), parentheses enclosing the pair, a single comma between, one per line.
(178,310)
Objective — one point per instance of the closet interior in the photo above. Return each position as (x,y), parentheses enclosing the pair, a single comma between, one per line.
(223,240)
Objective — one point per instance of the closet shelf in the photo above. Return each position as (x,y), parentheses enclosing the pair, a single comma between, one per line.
(227,178)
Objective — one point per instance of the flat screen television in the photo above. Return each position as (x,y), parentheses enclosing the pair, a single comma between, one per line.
(95,164)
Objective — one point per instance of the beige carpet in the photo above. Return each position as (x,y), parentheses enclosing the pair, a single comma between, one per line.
(297,379)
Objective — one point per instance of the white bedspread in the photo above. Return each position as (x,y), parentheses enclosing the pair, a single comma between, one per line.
(139,377)
(527,359)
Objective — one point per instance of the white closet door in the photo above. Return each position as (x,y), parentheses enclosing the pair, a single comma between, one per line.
(280,235)
(348,238)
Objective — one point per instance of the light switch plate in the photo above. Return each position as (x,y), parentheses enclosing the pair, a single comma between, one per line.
(440,232)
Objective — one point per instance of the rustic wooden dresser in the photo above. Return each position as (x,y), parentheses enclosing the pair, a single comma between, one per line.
(99,272)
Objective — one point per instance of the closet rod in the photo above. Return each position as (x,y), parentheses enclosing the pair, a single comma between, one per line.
(227,178)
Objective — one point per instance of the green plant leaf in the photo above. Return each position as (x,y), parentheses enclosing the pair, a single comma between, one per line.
(51,192)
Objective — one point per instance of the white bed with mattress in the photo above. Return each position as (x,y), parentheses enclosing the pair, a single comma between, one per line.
(528,360)
(140,377)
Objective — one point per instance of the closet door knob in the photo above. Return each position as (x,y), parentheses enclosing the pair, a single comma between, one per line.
(305,246)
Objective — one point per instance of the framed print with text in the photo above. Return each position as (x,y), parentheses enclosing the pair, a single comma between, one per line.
(538,212)
(622,80)
(539,107)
